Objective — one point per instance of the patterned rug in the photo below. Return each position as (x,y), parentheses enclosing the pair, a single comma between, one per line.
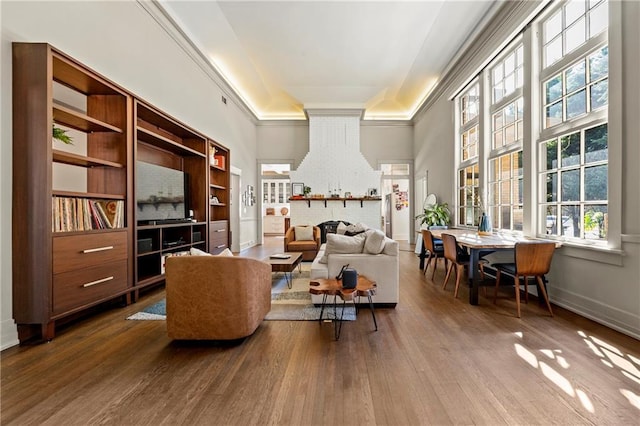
(287,304)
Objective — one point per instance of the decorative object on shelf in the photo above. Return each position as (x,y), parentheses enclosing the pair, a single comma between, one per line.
(270,211)
(297,189)
(484,225)
(61,135)
(372,192)
(435,215)
(306,191)
(347,195)
(214,200)
(284,211)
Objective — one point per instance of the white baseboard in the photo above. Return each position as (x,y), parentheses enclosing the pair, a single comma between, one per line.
(625,322)
(8,334)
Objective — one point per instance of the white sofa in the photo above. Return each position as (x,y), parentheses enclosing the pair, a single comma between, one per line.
(382,268)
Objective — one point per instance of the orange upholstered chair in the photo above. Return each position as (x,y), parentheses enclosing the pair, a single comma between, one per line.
(216,297)
(308,245)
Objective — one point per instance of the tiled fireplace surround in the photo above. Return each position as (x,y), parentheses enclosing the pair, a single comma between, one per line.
(334,163)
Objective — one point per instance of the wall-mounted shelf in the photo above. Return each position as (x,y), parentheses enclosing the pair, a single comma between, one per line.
(344,200)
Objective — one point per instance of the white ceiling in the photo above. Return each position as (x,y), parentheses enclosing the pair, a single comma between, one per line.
(282,57)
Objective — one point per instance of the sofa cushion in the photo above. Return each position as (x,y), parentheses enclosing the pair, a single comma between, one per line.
(374,241)
(302,245)
(342,244)
(303,233)
(197,252)
(391,247)
(225,252)
(341,229)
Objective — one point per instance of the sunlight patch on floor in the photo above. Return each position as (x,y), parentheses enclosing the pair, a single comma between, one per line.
(631,397)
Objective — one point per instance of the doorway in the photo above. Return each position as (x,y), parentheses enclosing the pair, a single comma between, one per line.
(276,190)
(396,193)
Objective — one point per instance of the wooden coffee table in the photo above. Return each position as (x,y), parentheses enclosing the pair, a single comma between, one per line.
(285,265)
(333,287)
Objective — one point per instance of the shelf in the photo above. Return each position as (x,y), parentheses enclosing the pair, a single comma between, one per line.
(64,157)
(344,200)
(80,121)
(217,186)
(150,280)
(69,74)
(217,204)
(217,168)
(154,139)
(170,225)
(93,195)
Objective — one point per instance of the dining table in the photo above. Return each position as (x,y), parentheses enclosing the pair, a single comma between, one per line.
(481,244)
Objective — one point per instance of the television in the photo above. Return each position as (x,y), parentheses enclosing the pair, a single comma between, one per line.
(161,194)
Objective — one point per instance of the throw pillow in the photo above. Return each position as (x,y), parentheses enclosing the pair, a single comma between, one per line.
(303,233)
(226,252)
(197,252)
(341,228)
(341,244)
(374,242)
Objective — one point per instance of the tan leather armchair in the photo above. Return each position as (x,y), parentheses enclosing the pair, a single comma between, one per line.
(216,297)
(309,249)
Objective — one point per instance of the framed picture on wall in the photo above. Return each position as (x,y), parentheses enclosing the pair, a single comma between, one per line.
(297,189)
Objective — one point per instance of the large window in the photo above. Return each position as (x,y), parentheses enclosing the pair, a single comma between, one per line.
(573,147)
(570,26)
(505,173)
(505,191)
(574,180)
(468,172)
(469,195)
(580,88)
(566,144)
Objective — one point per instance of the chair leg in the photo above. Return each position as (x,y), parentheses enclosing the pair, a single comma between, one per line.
(459,274)
(446,279)
(517,287)
(544,293)
(495,293)
(435,266)
(426,265)
(526,290)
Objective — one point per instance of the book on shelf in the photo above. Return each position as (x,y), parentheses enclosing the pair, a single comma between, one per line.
(84,214)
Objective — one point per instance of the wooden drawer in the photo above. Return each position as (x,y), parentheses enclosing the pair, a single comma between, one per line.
(81,251)
(218,236)
(219,226)
(87,285)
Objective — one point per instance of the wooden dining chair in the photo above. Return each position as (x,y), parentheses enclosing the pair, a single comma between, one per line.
(435,252)
(456,259)
(532,260)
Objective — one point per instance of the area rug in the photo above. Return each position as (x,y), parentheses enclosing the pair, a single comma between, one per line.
(287,304)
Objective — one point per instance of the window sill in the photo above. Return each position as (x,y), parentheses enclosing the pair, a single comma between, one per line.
(593,253)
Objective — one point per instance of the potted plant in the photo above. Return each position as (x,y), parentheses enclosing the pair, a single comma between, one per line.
(61,135)
(437,214)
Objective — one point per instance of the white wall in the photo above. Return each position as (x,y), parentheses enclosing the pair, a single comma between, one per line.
(121,41)
(601,285)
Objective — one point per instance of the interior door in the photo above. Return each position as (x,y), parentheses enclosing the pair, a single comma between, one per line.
(387,216)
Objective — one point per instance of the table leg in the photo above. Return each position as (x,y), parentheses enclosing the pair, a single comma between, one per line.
(324,300)
(474,278)
(338,323)
(288,278)
(423,256)
(373,314)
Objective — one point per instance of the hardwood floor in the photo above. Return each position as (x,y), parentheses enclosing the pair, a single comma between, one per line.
(434,360)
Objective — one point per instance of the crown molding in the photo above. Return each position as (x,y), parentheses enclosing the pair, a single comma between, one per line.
(334,112)
(164,21)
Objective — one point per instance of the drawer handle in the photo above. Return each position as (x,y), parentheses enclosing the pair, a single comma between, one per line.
(221,230)
(104,280)
(93,250)
(221,246)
